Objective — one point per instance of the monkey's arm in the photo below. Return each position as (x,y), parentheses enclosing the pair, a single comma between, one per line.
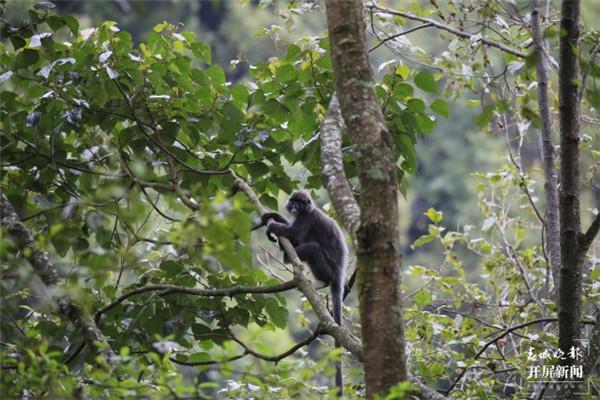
(265,219)
(274,216)
(288,231)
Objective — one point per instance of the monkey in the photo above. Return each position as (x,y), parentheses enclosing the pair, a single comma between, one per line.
(318,241)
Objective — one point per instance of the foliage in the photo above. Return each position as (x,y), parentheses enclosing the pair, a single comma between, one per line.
(120,158)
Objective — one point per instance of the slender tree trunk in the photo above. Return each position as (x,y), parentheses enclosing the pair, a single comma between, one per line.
(378,258)
(570,223)
(551,218)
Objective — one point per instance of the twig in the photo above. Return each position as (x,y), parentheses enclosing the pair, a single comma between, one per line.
(309,339)
(494,340)
(387,39)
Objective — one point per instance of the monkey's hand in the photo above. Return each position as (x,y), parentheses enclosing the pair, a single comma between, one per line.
(274,216)
(270,235)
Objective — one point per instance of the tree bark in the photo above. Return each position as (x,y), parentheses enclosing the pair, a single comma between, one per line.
(551,218)
(572,256)
(378,257)
(570,222)
(332,169)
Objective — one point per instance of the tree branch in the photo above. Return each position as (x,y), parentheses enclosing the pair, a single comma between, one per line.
(397,35)
(448,28)
(551,221)
(208,362)
(309,339)
(172,289)
(47,273)
(332,169)
(588,237)
(494,340)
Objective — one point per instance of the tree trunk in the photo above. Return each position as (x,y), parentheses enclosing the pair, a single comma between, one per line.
(570,223)
(551,218)
(378,256)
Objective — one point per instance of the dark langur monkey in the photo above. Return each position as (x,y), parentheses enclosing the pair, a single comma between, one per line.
(319,242)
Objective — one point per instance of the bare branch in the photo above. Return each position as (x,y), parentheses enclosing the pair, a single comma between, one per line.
(448,28)
(309,339)
(397,35)
(494,340)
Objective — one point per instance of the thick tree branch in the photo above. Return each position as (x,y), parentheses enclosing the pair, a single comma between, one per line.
(172,289)
(334,177)
(328,325)
(551,220)
(332,169)
(448,28)
(47,273)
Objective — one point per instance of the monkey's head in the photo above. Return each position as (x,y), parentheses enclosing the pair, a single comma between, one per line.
(299,203)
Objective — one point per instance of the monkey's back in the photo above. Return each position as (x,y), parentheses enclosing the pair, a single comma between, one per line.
(328,234)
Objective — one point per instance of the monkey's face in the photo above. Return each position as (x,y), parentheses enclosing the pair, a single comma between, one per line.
(299,203)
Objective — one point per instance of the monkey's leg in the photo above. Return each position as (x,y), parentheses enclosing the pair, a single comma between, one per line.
(312,254)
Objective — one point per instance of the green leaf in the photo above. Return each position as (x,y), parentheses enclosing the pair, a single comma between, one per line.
(277,313)
(171,268)
(425,81)
(407,149)
(440,107)
(416,105)
(158,28)
(403,90)
(55,22)
(73,24)
(423,240)
(202,51)
(403,71)
(286,73)
(17,42)
(434,216)
(26,58)
(216,75)
(423,298)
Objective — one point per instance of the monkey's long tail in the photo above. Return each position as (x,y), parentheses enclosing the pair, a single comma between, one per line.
(336,294)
